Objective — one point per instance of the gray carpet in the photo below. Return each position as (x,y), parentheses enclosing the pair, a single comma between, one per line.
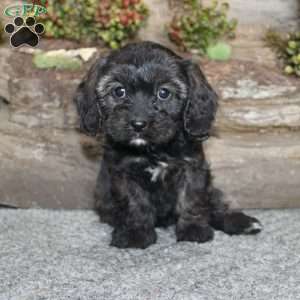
(60,255)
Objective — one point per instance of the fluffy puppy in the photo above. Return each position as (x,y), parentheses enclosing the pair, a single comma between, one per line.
(154,109)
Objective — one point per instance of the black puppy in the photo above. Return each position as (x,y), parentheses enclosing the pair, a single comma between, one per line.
(154,109)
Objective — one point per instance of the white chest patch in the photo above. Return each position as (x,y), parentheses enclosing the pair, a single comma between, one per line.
(138,142)
(159,171)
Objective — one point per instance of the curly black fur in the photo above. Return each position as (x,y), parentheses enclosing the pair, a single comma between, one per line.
(154,171)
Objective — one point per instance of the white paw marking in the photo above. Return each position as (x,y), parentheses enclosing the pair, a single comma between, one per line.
(254,227)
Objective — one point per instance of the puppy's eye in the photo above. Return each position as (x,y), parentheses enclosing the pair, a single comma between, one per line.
(163,94)
(119,92)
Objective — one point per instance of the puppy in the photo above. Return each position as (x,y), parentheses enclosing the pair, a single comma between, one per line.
(154,109)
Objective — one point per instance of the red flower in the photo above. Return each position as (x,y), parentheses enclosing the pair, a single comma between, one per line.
(175,36)
(123,20)
(136,16)
(126,3)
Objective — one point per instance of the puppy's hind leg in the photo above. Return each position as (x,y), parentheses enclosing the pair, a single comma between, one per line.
(230,221)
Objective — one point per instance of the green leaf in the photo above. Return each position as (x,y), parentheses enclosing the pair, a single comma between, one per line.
(44,61)
(219,51)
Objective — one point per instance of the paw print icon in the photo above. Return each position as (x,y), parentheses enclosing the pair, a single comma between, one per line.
(24,32)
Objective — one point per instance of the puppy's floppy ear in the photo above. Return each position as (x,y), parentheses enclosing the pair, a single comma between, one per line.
(86,99)
(201,103)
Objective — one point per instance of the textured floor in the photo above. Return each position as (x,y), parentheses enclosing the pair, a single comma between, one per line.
(65,255)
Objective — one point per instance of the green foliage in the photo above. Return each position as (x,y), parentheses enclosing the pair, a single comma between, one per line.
(197,27)
(62,62)
(287,48)
(113,21)
(219,51)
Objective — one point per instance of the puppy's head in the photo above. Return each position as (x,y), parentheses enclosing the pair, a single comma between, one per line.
(144,94)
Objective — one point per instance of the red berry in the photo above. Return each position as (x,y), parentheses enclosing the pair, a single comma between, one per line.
(130,14)
(175,36)
(124,20)
(126,3)
(135,15)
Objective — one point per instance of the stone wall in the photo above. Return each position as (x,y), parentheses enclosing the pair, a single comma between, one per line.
(42,163)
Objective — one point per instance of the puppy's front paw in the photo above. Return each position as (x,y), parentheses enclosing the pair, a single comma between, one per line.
(239,223)
(194,233)
(133,238)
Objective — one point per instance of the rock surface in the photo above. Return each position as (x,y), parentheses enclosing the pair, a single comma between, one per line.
(257,169)
(255,158)
(160,16)
(45,168)
(254,97)
(42,163)
(276,13)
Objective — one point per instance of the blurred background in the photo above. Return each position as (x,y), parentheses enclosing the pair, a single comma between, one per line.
(249,50)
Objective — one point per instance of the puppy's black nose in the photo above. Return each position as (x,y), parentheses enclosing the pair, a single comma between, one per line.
(138,125)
